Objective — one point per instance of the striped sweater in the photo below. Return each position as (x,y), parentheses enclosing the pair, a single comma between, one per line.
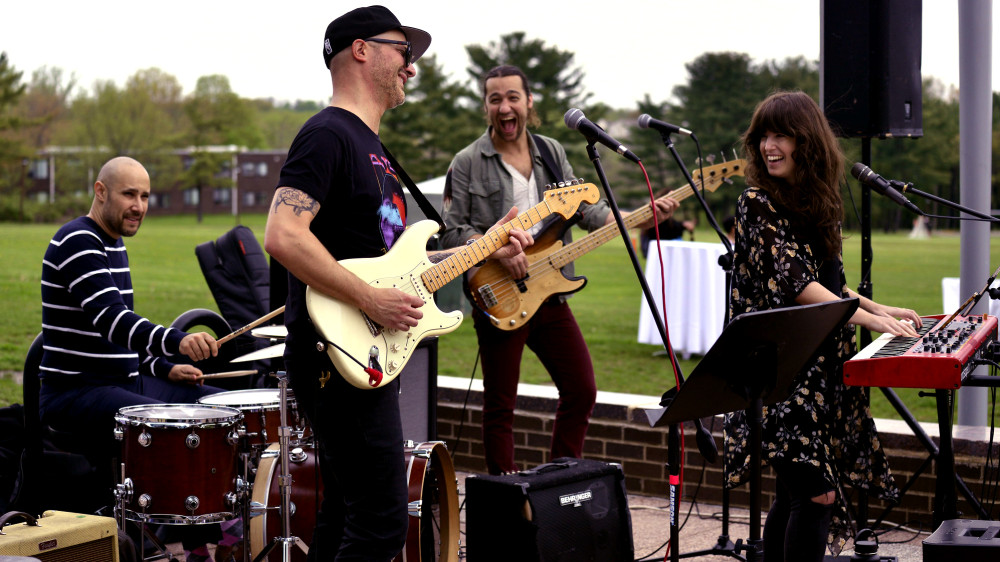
(88,325)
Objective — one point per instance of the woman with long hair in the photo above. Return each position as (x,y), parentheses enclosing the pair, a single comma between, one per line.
(788,253)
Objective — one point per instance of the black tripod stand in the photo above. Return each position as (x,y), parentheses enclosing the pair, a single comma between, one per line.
(753,363)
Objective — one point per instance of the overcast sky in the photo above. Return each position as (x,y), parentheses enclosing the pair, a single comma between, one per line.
(273,49)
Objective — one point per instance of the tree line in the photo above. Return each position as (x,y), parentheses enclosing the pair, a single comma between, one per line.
(149,117)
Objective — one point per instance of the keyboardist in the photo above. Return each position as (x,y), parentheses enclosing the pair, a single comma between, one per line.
(788,252)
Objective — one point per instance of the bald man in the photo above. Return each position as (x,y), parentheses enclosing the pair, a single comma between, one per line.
(99,355)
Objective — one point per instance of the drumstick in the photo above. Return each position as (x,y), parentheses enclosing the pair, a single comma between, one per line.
(228,374)
(251,325)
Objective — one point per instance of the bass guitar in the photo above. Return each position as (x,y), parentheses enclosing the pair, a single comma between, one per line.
(369,355)
(510,303)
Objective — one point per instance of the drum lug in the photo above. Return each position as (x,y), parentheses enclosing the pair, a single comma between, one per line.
(231,499)
(233,438)
(192,441)
(257,508)
(145,500)
(119,433)
(298,455)
(192,503)
(413,508)
(145,439)
(422,453)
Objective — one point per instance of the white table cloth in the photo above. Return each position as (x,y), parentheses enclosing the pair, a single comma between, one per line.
(695,293)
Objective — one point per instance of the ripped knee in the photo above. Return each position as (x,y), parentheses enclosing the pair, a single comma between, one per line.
(825,499)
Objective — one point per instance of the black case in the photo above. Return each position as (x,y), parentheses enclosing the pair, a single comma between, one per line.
(567,510)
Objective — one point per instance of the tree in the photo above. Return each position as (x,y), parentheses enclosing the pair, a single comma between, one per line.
(218,117)
(14,152)
(556,86)
(436,121)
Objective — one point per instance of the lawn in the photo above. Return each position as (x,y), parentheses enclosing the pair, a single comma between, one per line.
(169,282)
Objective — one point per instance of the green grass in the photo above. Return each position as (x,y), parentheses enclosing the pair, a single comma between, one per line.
(169,282)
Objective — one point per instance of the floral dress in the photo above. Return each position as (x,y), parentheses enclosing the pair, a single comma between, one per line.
(823,423)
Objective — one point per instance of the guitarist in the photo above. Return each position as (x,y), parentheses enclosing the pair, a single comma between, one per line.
(338,198)
(507,166)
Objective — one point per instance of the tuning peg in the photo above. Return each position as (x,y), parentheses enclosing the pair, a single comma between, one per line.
(710,158)
(728,180)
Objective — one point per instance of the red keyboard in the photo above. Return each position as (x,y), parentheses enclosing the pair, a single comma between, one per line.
(940,357)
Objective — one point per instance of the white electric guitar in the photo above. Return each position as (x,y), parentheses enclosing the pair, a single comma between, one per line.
(369,355)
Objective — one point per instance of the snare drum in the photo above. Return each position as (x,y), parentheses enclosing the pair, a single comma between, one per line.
(433,533)
(265,507)
(180,463)
(261,409)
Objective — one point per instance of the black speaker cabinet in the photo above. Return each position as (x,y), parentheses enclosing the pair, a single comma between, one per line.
(963,539)
(870,82)
(418,393)
(567,510)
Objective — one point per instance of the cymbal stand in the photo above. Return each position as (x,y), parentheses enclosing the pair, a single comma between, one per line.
(286,540)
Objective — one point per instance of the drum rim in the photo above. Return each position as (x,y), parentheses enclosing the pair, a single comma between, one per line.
(245,405)
(449,524)
(230,416)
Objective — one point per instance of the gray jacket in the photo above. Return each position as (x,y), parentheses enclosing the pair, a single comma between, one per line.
(481,191)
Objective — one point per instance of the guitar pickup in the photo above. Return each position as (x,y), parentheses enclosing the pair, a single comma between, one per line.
(487,296)
(521,285)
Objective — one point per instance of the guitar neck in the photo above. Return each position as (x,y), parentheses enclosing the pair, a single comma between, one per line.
(608,232)
(437,276)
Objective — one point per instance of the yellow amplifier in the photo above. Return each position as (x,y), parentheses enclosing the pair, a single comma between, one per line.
(60,536)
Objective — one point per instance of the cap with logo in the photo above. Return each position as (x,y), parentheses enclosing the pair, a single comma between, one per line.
(362,23)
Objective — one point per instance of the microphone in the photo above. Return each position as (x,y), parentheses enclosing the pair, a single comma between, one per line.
(647,122)
(575,119)
(867,176)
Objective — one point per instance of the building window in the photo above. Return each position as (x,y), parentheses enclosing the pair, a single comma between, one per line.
(191,196)
(39,169)
(221,196)
(262,169)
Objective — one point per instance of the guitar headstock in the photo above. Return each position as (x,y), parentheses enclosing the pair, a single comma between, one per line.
(718,173)
(565,197)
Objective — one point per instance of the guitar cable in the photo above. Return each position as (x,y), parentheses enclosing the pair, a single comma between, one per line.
(374,375)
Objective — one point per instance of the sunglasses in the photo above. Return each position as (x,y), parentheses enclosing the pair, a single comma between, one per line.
(407,56)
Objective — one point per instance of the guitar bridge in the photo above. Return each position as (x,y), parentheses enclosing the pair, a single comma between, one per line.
(487,296)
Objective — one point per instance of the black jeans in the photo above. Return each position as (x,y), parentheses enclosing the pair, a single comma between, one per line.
(797,528)
(360,440)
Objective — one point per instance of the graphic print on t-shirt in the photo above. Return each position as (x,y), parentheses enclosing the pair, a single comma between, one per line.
(392,211)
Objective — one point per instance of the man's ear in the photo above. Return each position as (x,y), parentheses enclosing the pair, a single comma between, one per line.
(100,191)
(359,49)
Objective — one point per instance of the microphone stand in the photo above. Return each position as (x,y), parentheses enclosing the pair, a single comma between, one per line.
(724,545)
(905,187)
(673,435)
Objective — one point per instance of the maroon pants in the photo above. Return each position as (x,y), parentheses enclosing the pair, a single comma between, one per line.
(555,337)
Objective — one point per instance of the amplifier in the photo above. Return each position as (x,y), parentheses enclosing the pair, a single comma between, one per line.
(570,509)
(60,536)
(967,540)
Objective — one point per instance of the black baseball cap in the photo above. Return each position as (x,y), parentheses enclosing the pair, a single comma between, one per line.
(362,23)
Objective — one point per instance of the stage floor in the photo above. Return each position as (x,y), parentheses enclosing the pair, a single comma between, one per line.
(701,530)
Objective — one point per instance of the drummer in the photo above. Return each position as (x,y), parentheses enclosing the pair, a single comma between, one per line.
(99,355)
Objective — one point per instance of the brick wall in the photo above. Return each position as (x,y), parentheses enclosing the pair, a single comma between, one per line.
(619,432)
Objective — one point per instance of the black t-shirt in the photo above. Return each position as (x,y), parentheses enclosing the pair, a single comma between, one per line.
(338,161)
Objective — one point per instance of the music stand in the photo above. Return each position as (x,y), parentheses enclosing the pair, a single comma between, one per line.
(753,363)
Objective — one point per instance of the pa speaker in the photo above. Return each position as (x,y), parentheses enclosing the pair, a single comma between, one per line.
(870,82)
(570,509)
(963,539)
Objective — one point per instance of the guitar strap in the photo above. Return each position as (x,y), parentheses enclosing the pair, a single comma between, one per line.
(422,202)
(547,159)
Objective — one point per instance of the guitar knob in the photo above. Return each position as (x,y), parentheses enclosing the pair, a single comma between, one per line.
(394,347)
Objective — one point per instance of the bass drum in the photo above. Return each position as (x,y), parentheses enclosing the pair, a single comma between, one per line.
(433,533)
(265,509)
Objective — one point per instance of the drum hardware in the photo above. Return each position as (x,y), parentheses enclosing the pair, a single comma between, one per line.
(286,540)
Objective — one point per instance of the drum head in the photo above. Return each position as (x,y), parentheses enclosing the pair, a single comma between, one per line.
(243,399)
(177,414)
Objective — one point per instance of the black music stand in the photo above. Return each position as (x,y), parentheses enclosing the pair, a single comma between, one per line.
(753,363)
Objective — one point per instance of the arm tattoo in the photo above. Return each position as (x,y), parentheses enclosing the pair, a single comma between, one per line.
(439,257)
(297,200)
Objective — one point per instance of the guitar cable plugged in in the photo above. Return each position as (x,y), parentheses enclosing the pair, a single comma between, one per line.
(375,375)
